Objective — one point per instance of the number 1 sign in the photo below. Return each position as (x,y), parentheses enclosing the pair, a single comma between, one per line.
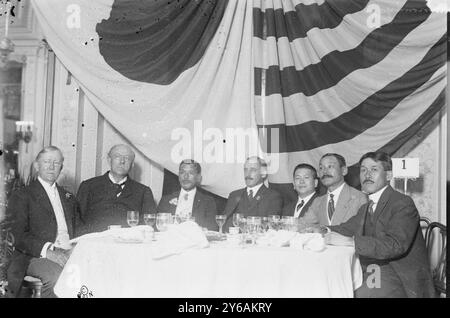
(405,167)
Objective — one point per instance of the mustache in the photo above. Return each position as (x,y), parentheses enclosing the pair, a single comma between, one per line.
(367,181)
(248,178)
(326,176)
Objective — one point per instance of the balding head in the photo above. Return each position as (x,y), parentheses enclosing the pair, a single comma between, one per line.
(120,159)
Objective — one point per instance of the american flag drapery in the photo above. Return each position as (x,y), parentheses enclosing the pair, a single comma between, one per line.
(316,76)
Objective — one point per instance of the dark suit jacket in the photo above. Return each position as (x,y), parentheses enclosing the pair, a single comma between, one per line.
(34,224)
(264,203)
(203,209)
(289,209)
(100,207)
(398,239)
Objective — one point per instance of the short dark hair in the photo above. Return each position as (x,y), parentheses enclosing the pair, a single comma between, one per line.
(338,157)
(305,166)
(192,162)
(379,156)
(49,149)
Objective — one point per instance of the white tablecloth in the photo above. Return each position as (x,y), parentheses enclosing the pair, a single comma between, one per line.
(110,269)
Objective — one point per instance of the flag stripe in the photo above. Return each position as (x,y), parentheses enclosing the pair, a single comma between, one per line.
(353,89)
(366,114)
(302,52)
(295,24)
(336,65)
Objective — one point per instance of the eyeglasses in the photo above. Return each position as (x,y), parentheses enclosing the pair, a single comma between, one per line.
(49,162)
(120,158)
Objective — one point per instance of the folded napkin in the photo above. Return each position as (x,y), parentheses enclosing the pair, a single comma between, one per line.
(308,241)
(177,239)
(276,238)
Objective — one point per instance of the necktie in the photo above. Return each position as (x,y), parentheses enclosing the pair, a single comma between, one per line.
(300,205)
(370,208)
(250,194)
(331,206)
(119,187)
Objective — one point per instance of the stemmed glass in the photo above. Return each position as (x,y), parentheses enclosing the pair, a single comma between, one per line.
(243,227)
(254,224)
(163,220)
(274,220)
(132,218)
(220,219)
(236,218)
(288,223)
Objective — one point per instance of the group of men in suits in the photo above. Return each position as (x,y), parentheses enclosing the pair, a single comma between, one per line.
(47,217)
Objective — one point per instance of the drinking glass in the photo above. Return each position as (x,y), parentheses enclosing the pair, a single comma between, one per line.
(163,220)
(236,217)
(253,224)
(220,219)
(265,223)
(132,218)
(289,223)
(150,219)
(243,227)
(274,221)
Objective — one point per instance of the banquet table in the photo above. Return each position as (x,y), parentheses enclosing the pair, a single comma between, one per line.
(110,269)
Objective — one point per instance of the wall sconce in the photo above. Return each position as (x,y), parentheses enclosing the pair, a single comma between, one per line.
(24,131)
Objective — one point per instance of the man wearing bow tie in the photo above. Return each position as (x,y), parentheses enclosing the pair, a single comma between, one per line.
(43,216)
(255,199)
(105,200)
(191,200)
(341,201)
(387,236)
(305,184)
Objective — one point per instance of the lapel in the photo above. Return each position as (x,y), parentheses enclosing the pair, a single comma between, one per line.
(173,207)
(341,205)
(382,203)
(258,197)
(67,208)
(197,202)
(127,189)
(307,205)
(42,198)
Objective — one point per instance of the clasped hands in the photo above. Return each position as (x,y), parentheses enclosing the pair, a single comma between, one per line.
(59,255)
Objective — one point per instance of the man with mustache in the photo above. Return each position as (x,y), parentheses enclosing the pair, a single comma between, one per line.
(105,200)
(255,199)
(190,200)
(341,201)
(387,236)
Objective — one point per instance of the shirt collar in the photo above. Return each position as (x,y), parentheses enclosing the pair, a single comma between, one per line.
(120,182)
(47,185)
(255,189)
(189,193)
(375,197)
(337,191)
(305,200)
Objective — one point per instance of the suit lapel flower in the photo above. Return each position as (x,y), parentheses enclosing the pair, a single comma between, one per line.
(174,201)
(258,197)
(68,195)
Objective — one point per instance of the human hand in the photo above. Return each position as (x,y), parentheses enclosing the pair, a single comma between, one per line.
(337,239)
(58,256)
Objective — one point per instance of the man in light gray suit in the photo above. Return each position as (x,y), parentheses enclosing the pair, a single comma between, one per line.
(341,201)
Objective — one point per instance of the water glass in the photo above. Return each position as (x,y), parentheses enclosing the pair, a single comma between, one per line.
(253,225)
(132,218)
(289,223)
(236,217)
(150,219)
(274,221)
(163,220)
(220,219)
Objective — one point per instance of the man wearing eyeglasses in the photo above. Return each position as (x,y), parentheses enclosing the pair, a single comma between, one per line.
(105,200)
(43,215)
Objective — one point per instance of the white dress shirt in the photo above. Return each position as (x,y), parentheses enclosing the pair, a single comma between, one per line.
(62,237)
(185,202)
(375,197)
(305,201)
(336,193)
(254,189)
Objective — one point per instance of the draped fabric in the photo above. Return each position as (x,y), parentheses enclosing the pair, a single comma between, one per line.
(309,76)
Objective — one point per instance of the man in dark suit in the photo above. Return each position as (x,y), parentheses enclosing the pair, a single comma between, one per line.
(305,183)
(387,236)
(255,199)
(190,200)
(105,200)
(341,201)
(43,216)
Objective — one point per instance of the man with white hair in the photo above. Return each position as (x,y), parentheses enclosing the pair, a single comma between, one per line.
(43,216)
(255,199)
(105,200)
